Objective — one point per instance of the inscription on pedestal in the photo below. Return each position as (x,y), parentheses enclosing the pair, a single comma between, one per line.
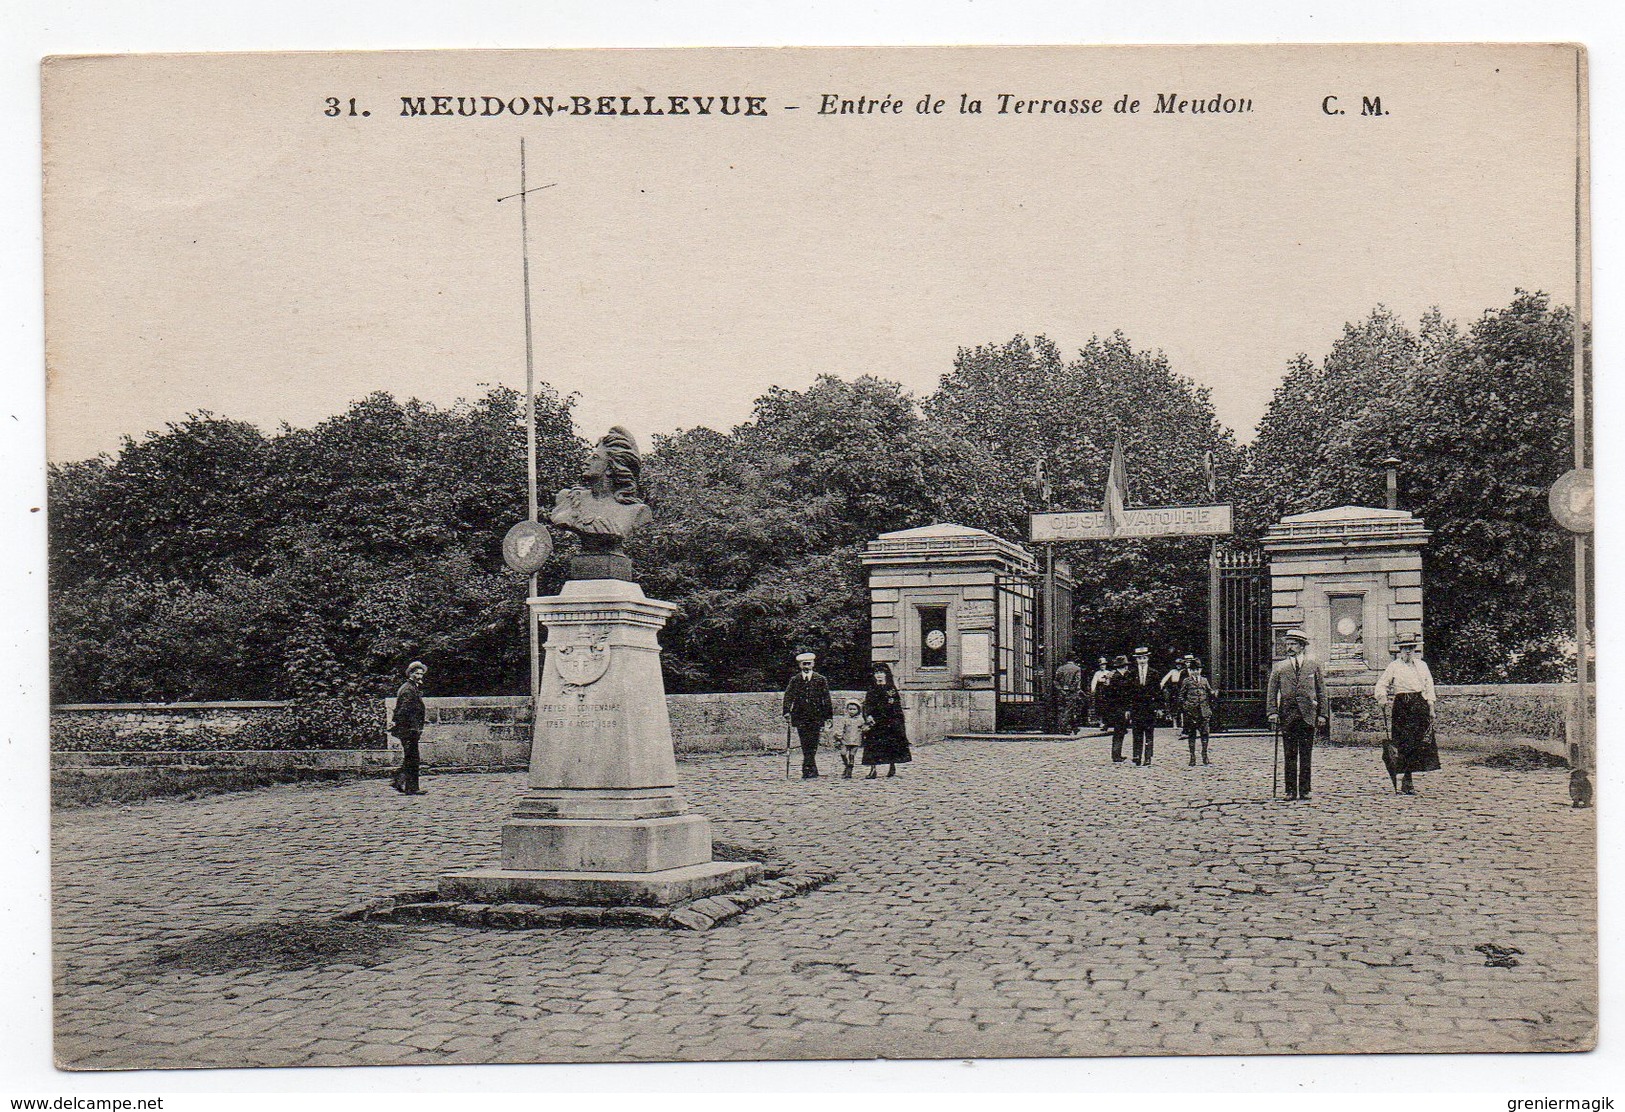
(578,714)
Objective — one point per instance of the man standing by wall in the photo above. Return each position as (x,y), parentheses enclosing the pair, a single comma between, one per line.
(1296,701)
(408,726)
(808,708)
(1142,689)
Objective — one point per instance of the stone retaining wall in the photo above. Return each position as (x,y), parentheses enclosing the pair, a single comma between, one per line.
(350,760)
(494,731)
(491,731)
(1474,715)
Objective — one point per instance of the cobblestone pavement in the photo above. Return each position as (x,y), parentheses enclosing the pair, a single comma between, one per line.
(998,898)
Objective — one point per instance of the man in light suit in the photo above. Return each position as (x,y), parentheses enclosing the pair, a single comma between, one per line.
(1296,700)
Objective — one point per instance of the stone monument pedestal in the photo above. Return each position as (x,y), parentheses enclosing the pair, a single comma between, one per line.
(602,821)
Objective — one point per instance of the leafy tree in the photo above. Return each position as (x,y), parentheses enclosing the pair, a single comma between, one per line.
(173,505)
(1492,429)
(757,531)
(208,561)
(1022,404)
(1329,426)
(131,638)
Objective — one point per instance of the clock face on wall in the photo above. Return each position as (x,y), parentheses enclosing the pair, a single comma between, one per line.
(935,639)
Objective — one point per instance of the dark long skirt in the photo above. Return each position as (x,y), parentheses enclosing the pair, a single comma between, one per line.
(886,744)
(1413,748)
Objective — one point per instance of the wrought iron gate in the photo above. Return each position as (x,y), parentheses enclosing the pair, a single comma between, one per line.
(1017,705)
(1239,633)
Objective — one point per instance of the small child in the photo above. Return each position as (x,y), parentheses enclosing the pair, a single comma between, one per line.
(852,728)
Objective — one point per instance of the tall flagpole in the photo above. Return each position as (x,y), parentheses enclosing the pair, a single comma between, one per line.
(524,193)
(1582,315)
(530,418)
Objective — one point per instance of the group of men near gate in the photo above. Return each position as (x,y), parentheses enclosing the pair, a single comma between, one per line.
(1123,698)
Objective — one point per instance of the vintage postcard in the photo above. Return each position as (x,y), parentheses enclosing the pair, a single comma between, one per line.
(741,554)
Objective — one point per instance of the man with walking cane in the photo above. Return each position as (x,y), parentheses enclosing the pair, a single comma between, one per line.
(807,708)
(1296,701)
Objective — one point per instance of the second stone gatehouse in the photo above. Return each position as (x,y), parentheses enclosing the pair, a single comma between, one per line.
(953,611)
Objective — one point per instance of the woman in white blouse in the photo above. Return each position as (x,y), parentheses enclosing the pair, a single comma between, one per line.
(1406,688)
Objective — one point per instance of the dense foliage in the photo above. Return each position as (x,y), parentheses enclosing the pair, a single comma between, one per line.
(213,561)
(757,532)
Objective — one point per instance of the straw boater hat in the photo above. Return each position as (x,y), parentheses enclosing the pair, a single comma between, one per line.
(1407,641)
(806,658)
(1297,635)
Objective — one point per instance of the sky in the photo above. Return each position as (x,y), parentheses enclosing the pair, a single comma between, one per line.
(215,242)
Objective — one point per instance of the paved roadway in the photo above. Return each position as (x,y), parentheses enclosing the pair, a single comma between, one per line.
(996,899)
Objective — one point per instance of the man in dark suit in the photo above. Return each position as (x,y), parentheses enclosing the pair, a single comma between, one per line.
(1141,688)
(1109,705)
(408,726)
(808,708)
(1296,701)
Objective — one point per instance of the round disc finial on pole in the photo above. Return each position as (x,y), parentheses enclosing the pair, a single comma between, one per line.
(1572,500)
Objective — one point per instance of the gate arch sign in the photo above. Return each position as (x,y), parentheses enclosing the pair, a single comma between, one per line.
(1145,521)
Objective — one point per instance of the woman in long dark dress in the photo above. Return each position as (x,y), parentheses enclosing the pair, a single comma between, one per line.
(886,739)
(1409,684)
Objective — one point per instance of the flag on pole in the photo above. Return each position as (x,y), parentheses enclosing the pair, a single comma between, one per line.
(1116,506)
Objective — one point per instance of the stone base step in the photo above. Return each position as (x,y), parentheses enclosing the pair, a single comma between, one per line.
(603,889)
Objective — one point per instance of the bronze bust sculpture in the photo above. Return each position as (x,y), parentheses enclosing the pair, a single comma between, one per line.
(603,507)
